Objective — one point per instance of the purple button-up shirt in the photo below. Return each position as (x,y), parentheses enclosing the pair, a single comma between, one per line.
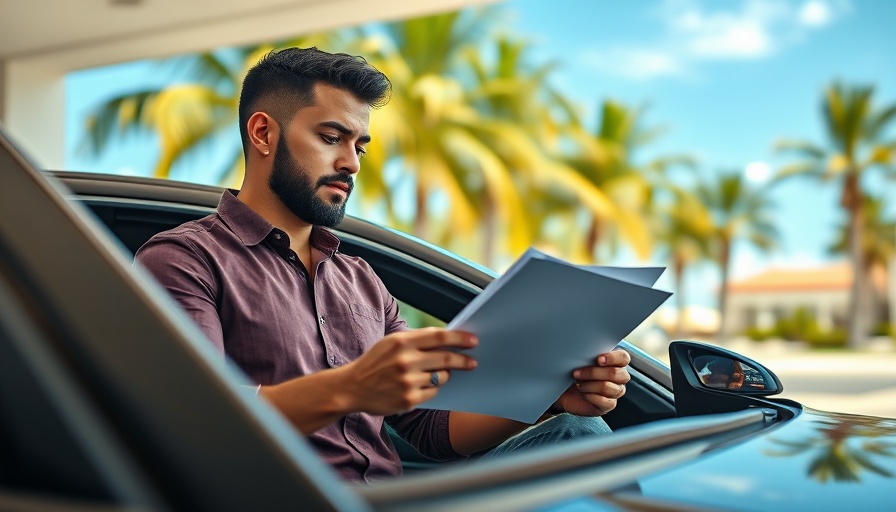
(235,275)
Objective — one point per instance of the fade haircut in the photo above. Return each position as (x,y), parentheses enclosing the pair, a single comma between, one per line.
(283,82)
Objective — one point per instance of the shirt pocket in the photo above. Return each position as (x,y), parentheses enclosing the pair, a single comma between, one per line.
(368,325)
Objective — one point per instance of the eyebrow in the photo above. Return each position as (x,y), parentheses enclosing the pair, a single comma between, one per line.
(364,139)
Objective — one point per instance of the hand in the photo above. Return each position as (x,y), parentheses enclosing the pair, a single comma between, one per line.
(394,375)
(597,388)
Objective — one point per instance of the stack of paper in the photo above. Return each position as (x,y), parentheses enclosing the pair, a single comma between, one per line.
(536,323)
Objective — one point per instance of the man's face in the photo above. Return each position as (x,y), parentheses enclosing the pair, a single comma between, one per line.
(317,156)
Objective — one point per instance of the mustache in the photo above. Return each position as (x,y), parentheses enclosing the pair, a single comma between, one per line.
(341,178)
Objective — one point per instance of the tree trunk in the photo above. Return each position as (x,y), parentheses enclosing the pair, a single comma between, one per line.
(593,238)
(678,276)
(724,261)
(490,218)
(421,218)
(851,200)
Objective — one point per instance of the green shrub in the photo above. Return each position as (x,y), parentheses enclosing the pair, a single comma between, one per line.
(758,334)
(835,338)
(883,329)
(800,326)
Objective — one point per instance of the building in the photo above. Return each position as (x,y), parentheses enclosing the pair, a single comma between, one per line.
(762,300)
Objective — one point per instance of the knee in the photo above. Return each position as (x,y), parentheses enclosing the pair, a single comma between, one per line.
(569,426)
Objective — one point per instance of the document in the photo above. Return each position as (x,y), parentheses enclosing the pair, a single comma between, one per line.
(537,322)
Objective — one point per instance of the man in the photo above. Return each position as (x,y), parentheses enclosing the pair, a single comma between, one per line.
(316,329)
(720,372)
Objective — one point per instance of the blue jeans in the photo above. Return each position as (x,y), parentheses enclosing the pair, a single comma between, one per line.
(563,427)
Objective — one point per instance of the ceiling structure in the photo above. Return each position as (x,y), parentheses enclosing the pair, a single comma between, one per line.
(88,33)
(42,40)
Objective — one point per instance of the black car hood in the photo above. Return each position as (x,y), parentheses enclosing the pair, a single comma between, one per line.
(816,461)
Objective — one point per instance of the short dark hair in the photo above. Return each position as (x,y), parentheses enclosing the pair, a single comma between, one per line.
(283,82)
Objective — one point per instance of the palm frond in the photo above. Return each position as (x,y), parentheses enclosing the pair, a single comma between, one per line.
(120,115)
(800,148)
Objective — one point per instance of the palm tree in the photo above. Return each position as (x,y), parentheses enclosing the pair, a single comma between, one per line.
(685,231)
(182,115)
(426,126)
(738,211)
(878,247)
(454,133)
(856,146)
(530,119)
(606,159)
(188,114)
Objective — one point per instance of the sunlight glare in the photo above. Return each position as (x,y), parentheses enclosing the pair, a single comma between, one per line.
(758,172)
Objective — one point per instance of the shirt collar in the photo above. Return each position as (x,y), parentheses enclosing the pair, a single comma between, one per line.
(252,228)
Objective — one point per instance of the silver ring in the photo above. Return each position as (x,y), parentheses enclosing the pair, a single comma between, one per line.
(434,379)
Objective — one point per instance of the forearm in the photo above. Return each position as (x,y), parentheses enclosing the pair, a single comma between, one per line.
(310,402)
(472,433)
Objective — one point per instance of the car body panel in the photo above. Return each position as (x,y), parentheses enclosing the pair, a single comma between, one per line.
(816,461)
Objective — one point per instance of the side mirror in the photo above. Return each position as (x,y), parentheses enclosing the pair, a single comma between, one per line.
(707,379)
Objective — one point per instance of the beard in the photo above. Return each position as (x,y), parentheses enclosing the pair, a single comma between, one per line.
(291,183)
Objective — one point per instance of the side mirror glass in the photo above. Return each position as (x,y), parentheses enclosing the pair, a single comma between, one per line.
(720,372)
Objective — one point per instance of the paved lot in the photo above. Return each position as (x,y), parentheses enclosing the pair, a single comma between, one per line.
(858,383)
(850,382)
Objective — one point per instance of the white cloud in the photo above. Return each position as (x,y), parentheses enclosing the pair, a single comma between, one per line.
(693,31)
(725,34)
(741,40)
(634,63)
(815,14)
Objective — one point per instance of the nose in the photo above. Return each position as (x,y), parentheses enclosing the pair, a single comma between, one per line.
(349,161)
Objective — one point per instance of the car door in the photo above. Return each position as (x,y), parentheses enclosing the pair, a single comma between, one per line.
(110,395)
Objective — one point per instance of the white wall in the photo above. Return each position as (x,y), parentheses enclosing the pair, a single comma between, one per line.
(33,110)
(828,305)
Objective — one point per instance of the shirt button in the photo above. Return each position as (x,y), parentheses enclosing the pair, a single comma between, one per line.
(321,321)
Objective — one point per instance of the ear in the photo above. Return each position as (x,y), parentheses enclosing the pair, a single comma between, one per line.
(263,133)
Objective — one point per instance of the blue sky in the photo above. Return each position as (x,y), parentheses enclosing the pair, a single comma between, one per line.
(727,78)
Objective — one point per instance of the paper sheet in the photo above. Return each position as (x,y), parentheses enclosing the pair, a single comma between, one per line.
(536,323)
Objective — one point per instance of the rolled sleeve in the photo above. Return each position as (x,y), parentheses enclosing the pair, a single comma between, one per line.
(427,431)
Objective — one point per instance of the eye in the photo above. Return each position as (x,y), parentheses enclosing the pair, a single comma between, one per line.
(329,139)
(360,151)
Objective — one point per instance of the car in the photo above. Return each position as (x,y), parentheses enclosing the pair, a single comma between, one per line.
(111,399)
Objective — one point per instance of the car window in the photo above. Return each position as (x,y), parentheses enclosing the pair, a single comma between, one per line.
(416,318)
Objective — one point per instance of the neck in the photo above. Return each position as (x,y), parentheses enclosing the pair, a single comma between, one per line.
(269,206)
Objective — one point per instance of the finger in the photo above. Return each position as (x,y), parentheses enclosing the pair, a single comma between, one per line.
(423,394)
(434,379)
(618,357)
(434,360)
(600,402)
(434,338)
(594,373)
(438,378)
(602,388)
